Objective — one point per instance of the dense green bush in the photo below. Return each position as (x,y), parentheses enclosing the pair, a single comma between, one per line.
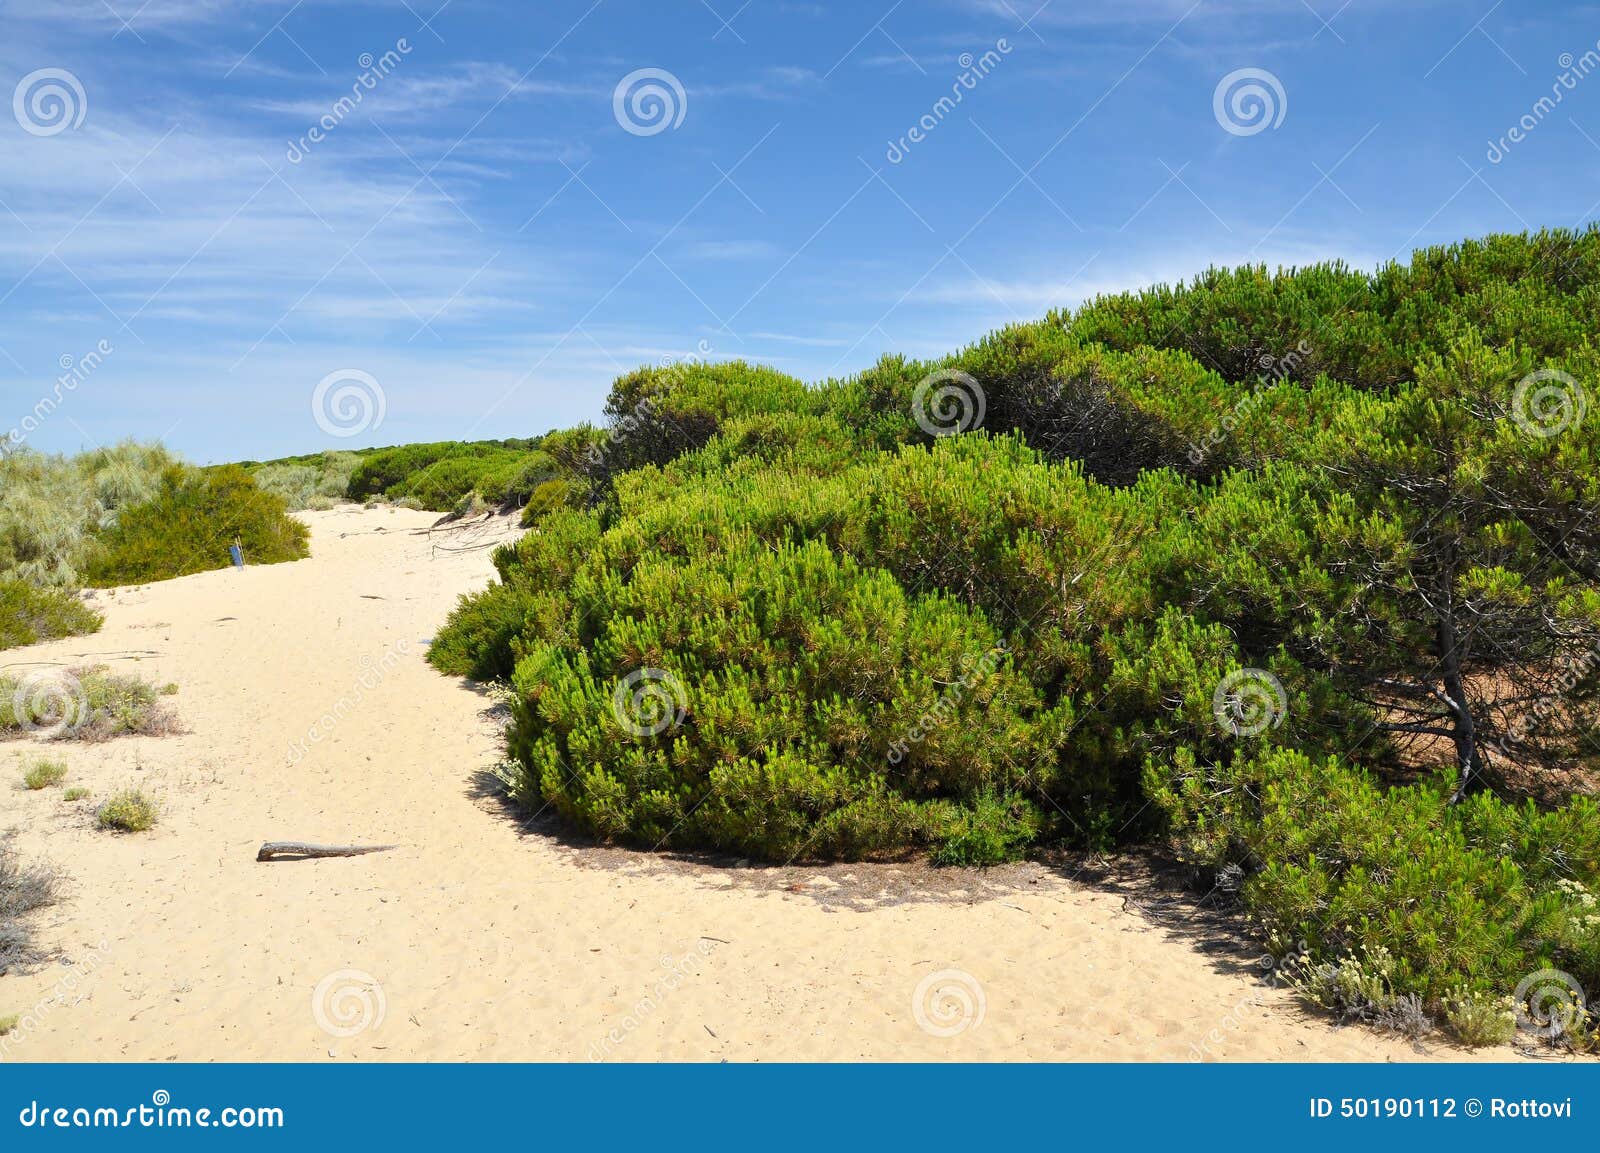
(1472,896)
(437,476)
(655,415)
(55,506)
(189,524)
(29,614)
(793,722)
(1281,570)
(310,483)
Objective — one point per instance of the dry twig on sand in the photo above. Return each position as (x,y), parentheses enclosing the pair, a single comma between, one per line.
(300,850)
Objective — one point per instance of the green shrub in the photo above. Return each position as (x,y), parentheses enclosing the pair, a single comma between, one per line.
(515,482)
(1394,890)
(1266,567)
(55,506)
(489,622)
(729,640)
(128,811)
(30,614)
(189,525)
(317,483)
(86,704)
(483,640)
(438,476)
(1480,1019)
(76,793)
(441,485)
(389,468)
(992,831)
(44,774)
(550,495)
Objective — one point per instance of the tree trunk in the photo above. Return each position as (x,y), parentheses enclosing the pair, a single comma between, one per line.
(1469,757)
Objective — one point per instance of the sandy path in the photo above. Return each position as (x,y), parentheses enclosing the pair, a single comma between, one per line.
(493,942)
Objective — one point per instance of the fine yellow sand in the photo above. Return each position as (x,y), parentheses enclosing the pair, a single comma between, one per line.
(311,715)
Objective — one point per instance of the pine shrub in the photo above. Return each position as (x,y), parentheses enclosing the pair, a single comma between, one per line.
(1264,569)
(30,614)
(188,526)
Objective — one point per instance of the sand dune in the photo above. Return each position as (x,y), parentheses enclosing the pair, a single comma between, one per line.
(311,714)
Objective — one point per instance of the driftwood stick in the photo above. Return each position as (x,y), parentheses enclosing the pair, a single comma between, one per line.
(300,850)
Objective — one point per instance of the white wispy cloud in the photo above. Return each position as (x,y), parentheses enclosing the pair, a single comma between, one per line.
(200,222)
(406,95)
(731,250)
(1111,273)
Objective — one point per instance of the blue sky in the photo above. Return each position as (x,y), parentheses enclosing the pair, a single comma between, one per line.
(489,237)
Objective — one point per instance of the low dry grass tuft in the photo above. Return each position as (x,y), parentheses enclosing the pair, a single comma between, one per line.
(43,774)
(23,888)
(84,704)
